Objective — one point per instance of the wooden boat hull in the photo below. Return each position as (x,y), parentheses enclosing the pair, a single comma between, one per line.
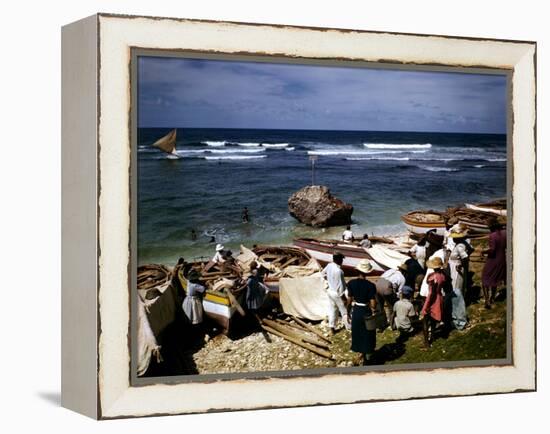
(419,227)
(479,207)
(323,252)
(219,310)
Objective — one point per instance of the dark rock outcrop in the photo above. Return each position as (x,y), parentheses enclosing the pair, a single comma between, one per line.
(315,206)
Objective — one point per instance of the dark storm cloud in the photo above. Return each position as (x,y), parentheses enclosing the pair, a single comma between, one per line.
(212,93)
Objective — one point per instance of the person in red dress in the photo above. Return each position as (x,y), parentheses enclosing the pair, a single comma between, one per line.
(432,310)
(494,271)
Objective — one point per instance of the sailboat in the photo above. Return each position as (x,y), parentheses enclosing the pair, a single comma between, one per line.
(167,143)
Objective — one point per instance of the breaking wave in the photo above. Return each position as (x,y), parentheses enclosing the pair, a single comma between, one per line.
(236,157)
(236,151)
(215,143)
(275,145)
(438,169)
(396,146)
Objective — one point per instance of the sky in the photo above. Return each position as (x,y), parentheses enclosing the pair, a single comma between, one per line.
(198,93)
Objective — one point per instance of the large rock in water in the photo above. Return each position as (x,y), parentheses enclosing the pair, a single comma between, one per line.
(315,206)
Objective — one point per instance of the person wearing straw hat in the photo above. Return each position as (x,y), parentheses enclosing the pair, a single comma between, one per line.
(219,257)
(458,268)
(334,275)
(362,299)
(388,286)
(433,308)
(192,303)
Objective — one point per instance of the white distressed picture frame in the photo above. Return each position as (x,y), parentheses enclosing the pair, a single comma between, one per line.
(97,181)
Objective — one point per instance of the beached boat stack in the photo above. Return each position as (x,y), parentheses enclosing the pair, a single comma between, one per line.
(477,218)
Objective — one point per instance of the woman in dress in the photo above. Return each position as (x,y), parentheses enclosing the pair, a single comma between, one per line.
(255,291)
(494,271)
(432,310)
(458,268)
(362,298)
(192,303)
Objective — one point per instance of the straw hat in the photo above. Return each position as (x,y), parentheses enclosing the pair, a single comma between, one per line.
(219,247)
(435,263)
(459,233)
(364,266)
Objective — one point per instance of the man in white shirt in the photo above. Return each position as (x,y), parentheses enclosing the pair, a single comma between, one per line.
(218,257)
(336,288)
(348,234)
(388,287)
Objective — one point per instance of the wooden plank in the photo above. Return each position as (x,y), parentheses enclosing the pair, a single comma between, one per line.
(234,302)
(291,332)
(309,347)
(311,329)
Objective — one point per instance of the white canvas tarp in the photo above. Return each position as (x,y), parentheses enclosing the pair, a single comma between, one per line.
(388,257)
(304,297)
(147,343)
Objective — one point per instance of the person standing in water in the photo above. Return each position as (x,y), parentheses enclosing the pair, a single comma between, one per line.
(245,215)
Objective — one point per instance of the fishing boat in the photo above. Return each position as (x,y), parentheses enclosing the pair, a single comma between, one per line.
(497,207)
(224,298)
(322,251)
(224,295)
(477,222)
(167,143)
(284,261)
(421,221)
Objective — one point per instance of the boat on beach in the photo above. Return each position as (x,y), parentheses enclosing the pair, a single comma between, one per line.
(477,222)
(419,222)
(497,207)
(284,261)
(322,251)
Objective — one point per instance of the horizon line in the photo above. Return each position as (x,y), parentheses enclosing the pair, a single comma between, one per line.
(314,129)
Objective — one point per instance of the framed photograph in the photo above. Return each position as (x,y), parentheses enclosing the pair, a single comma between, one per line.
(263,216)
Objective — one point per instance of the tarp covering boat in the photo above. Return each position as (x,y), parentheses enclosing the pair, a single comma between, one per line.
(390,258)
(304,297)
(159,305)
(147,343)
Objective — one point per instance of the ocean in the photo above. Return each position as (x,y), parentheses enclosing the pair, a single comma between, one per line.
(220,171)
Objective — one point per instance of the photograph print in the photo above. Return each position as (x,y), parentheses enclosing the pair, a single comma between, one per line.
(307,216)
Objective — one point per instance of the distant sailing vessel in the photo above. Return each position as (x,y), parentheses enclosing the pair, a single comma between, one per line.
(167,143)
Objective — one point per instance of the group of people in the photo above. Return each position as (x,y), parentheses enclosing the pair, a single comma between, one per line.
(430,286)
(190,280)
(349,237)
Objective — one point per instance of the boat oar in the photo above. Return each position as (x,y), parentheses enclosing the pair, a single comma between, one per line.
(234,302)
